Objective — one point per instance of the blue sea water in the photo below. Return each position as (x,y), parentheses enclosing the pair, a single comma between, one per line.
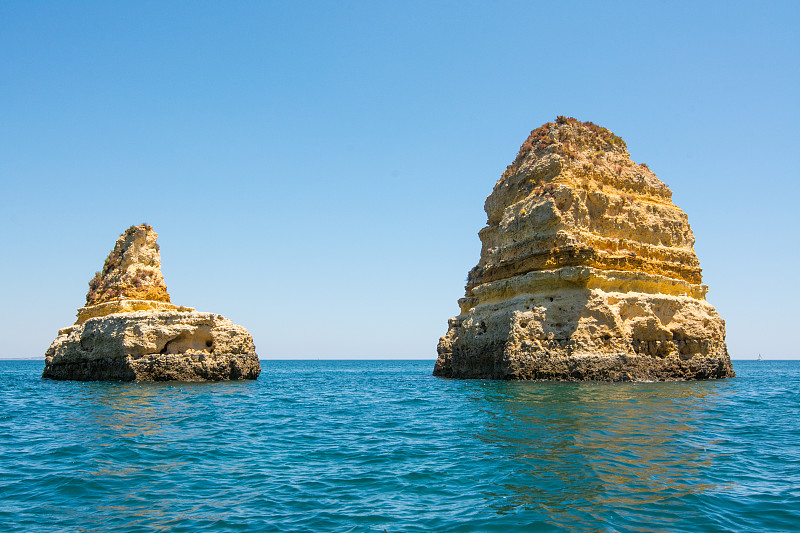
(384,446)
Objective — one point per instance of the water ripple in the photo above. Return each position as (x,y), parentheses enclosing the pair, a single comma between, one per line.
(351,446)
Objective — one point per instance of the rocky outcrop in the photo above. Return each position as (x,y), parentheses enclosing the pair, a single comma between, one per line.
(153,346)
(129,330)
(587,272)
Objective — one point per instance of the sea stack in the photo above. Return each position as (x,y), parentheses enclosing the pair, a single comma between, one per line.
(129,330)
(587,272)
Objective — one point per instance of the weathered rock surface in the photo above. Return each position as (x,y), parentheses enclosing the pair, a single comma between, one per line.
(587,272)
(153,346)
(132,270)
(116,338)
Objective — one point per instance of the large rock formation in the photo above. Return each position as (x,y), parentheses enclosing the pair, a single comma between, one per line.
(587,272)
(129,330)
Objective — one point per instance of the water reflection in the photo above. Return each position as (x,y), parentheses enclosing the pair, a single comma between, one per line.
(140,439)
(113,411)
(581,452)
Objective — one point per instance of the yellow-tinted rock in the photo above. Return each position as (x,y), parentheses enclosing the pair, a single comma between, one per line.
(587,271)
(131,271)
(125,306)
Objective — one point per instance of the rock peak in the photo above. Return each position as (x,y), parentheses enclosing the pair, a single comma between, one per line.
(132,271)
(566,137)
(580,155)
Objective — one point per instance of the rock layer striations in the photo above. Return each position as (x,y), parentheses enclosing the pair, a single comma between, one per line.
(129,330)
(587,272)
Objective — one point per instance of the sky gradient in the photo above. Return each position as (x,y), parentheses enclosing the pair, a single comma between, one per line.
(316,171)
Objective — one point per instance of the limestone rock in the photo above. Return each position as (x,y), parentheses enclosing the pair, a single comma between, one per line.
(146,338)
(587,272)
(131,271)
(153,346)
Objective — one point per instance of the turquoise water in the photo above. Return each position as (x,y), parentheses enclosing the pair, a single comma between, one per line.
(383,445)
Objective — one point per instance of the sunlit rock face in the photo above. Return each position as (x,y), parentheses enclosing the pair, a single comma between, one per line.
(131,278)
(587,272)
(129,330)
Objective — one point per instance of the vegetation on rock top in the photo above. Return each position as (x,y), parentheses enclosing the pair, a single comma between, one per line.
(567,137)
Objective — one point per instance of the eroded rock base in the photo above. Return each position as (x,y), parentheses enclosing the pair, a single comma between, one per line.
(159,367)
(153,346)
(582,334)
(587,367)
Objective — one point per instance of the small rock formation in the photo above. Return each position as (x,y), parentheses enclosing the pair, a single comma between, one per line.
(128,329)
(587,272)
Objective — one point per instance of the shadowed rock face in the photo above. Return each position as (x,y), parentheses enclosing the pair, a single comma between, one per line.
(587,271)
(129,330)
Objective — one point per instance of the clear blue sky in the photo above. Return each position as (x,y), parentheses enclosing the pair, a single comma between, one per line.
(317,170)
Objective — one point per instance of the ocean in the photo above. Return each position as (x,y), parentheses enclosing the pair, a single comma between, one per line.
(352,446)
